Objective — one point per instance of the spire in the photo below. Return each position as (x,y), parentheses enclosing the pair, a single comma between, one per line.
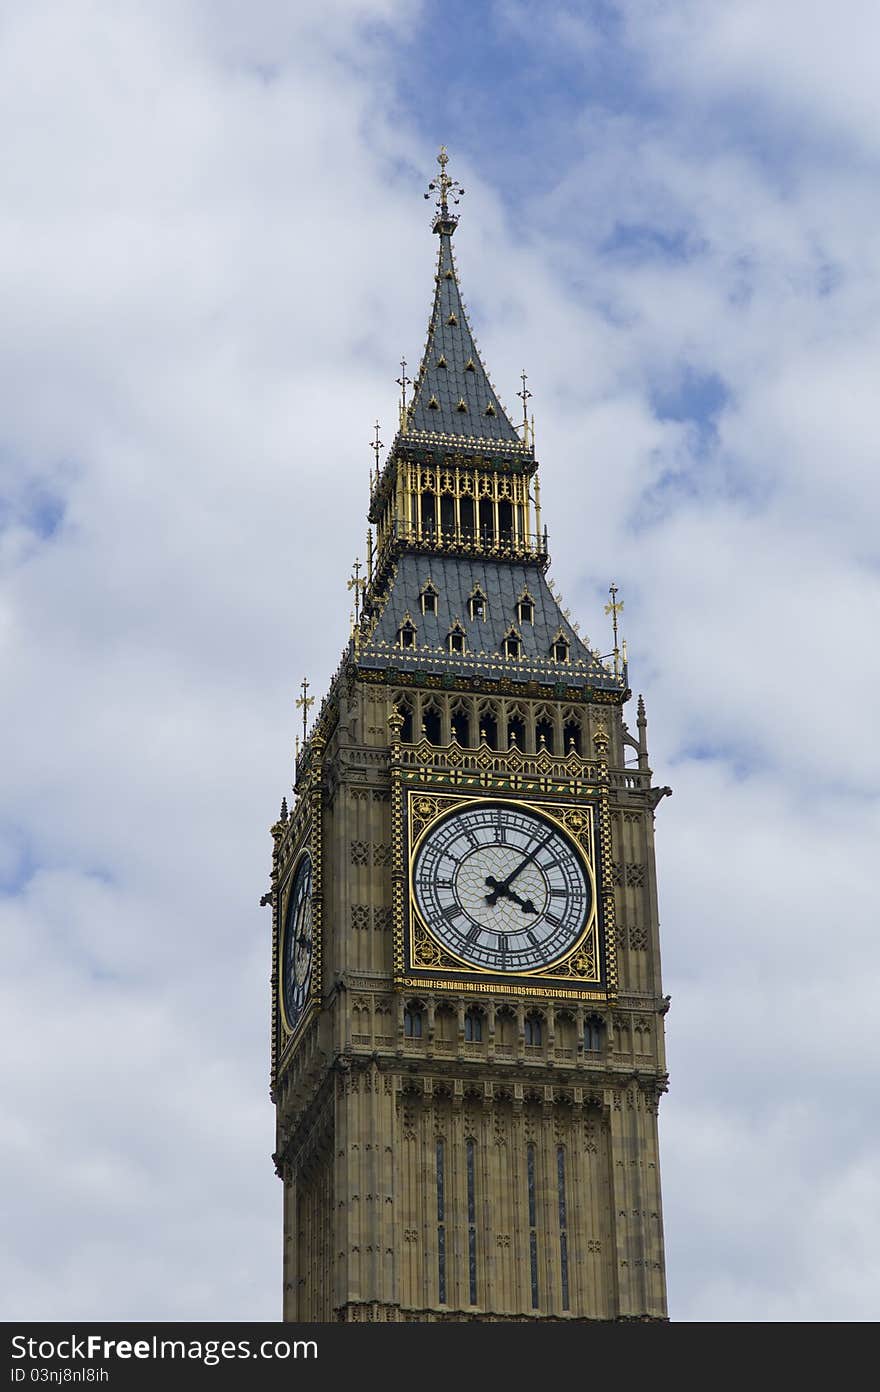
(453,394)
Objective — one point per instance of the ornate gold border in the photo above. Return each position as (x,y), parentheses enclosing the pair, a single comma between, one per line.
(579,972)
(310,841)
(303,851)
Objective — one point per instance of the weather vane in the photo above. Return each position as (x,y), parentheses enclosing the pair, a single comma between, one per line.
(303,703)
(445,188)
(613,608)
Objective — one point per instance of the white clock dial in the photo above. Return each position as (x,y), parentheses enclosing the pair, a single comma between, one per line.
(296,957)
(501,887)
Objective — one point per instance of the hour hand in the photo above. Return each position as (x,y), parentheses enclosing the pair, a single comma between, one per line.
(525,904)
(497,887)
(500,887)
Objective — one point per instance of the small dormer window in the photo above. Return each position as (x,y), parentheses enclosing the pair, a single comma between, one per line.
(470,365)
(561,650)
(433,404)
(455,639)
(452,320)
(490,409)
(525,609)
(462,404)
(441,361)
(406,634)
(428,598)
(513,646)
(477,605)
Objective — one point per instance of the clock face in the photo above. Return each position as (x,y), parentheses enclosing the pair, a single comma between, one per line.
(501,887)
(296,960)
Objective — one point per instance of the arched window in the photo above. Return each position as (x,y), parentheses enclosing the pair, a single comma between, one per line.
(516,730)
(594,1035)
(545,735)
(473,1026)
(404,709)
(489,726)
(461,724)
(431,724)
(487,521)
(429,513)
(571,736)
(412,1022)
(533,1030)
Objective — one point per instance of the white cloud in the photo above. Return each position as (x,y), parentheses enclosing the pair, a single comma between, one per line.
(213,250)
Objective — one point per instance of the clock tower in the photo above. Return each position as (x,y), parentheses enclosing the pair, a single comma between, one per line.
(467,1015)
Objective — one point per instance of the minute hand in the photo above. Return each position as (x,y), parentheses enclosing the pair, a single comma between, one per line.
(503,886)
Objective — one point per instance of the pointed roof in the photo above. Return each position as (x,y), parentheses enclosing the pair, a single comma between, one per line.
(453,394)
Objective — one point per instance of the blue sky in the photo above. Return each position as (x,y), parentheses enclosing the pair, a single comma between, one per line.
(214,251)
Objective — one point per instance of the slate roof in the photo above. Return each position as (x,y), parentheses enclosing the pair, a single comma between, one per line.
(502,582)
(463,378)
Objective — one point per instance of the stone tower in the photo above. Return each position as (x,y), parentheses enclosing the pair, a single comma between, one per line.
(467,1015)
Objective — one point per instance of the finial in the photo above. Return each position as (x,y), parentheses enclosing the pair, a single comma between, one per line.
(524,398)
(642,718)
(357,584)
(376,445)
(283,814)
(303,703)
(403,382)
(444,188)
(369,553)
(613,608)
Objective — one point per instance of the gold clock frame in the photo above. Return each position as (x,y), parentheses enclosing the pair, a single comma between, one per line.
(304,837)
(423,963)
(287,1029)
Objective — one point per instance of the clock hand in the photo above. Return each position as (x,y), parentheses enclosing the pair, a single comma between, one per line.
(498,889)
(504,886)
(525,904)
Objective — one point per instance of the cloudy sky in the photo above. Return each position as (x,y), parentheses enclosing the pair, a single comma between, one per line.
(213,251)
